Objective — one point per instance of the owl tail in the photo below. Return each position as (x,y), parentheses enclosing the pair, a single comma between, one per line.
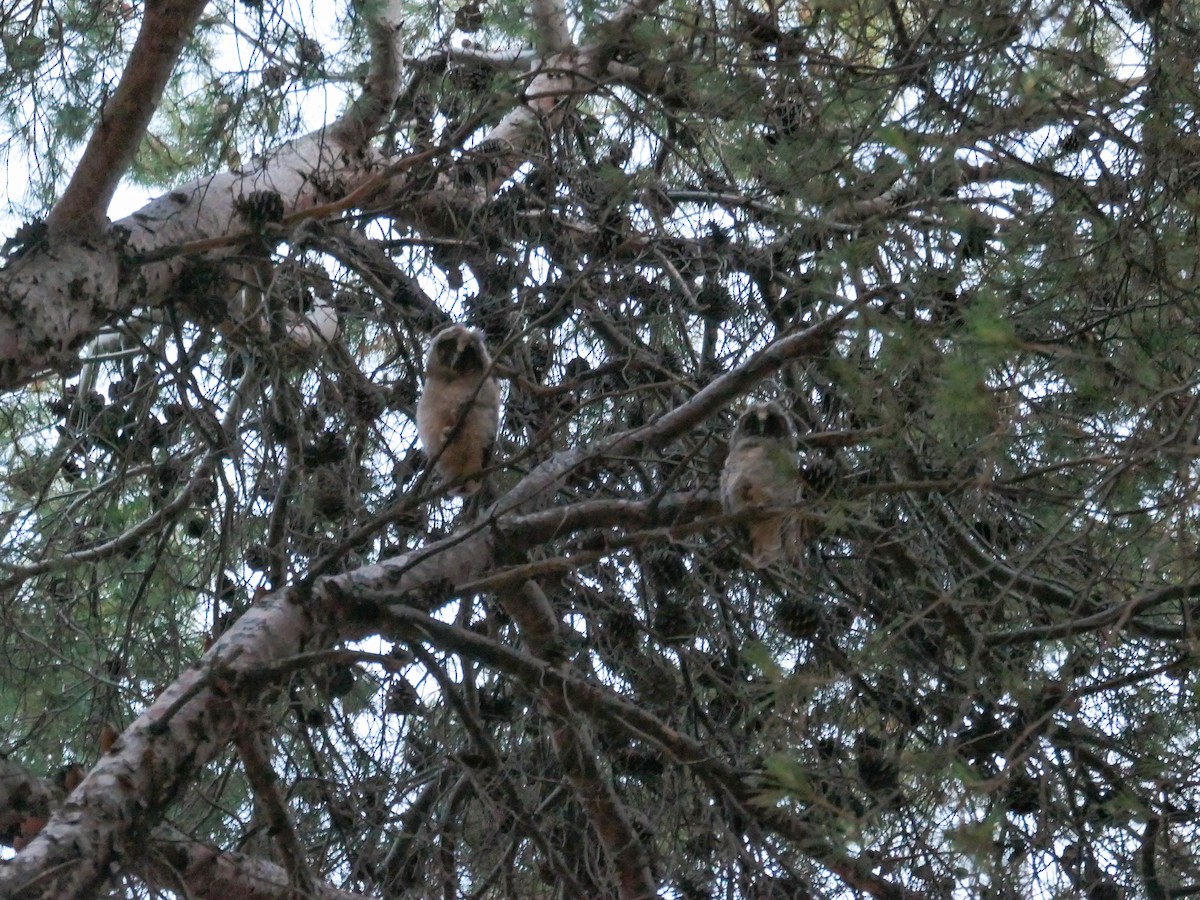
(766,542)
(466,489)
(779,539)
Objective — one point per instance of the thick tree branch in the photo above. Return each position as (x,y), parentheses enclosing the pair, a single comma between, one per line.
(109,815)
(52,299)
(176,862)
(551,33)
(173,860)
(382,83)
(166,26)
(23,798)
(717,395)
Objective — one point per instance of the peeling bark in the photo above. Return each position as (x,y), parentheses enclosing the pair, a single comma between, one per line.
(52,301)
(108,817)
(173,860)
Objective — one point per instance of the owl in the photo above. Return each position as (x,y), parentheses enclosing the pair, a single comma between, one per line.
(762,471)
(459,409)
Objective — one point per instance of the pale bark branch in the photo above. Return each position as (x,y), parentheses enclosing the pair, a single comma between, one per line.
(172,861)
(511,61)
(565,76)
(551,32)
(54,299)
(372,106)
(194,718)
(155,760)
(534,614)
(715,396)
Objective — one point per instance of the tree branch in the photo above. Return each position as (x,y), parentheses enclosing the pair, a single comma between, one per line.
(53,299)
(577,754)
(382,83)
(262,780)
(166,26)
(412,625)
(173,860)
(126,793)
(176,861)
(566,75)
(551,34)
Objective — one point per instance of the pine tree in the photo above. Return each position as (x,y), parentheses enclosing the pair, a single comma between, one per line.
(251,645)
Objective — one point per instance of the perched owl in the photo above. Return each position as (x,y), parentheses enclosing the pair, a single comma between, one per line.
(459,409)
(762,471)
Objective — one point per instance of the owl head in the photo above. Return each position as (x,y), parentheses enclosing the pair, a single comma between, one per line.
(459,350)
(765,421)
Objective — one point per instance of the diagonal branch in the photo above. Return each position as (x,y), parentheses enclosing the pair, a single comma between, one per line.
(166,26)
(577,754)
(54,299)
(192,869)
(566,74)
(174,860)
(264,783)
(717,395)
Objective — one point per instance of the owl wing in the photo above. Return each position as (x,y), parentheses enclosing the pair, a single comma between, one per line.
(470,451)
